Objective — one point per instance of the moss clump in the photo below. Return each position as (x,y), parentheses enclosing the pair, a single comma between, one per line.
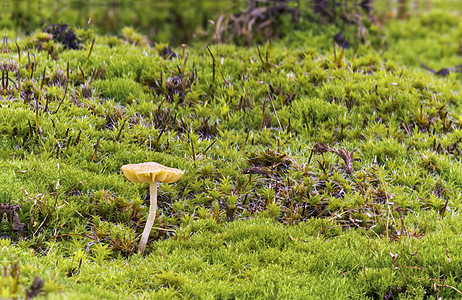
(131,36)
(301,165)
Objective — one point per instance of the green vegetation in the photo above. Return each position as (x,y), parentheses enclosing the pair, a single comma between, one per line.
(309,171)
(161,21)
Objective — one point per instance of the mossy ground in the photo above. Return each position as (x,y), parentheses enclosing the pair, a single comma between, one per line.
(307,174)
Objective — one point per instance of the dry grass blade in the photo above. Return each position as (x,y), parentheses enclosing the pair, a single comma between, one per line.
(346,155)
(89,53)
(218,68)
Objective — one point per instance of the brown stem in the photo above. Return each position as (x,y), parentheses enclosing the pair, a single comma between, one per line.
(151,216)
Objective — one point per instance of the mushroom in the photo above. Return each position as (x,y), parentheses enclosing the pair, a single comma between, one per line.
(150,172)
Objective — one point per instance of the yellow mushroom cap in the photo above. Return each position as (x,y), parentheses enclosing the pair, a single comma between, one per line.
(150,171)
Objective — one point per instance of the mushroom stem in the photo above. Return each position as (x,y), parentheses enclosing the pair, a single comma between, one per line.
(151,216)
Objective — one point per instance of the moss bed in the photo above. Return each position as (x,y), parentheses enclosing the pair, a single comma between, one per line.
(309,173)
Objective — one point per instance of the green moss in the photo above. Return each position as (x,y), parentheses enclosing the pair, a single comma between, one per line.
(120,89)
(298,168)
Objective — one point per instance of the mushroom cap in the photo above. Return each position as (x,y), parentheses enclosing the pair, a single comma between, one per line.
(151,171)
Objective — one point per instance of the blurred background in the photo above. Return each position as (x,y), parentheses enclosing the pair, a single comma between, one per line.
(175,22)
